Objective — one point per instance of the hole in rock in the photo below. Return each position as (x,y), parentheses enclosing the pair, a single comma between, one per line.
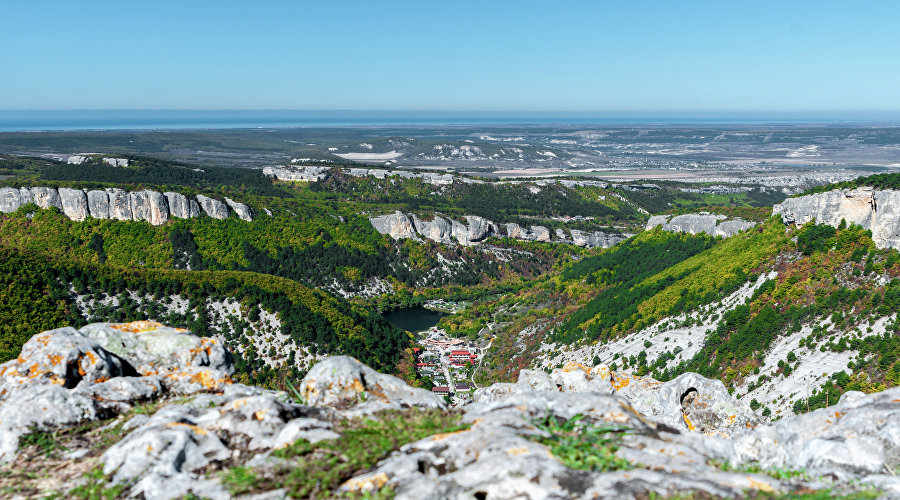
(688,397)
(480,495)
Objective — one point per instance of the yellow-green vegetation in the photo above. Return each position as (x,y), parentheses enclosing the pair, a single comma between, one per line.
(316,470)
(579,444)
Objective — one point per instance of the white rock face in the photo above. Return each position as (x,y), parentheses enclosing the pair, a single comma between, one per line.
(396,225)
(150,206)
(476,229)
(10,200)
(116,162)
(119,204)
(212,207)
(74,203)
(77,159)
(45,197)
(98,204)
(713,225)
(876,210)
(344,381)
(242,211)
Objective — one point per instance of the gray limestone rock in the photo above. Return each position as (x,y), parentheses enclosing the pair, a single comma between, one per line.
(151,347)
(98,204)
(10,200)
(517,232)
(149,206)
(855,438)
(74,203)
(479,228)
(657,220)
(119,204)
(396,225)
(540,233)
(690,402)
(45,197)
(876,210)
(242,211)
(179,206)
(437,229)
(344,382)
(212,207)
(713,225)
(597,239)
(193,208)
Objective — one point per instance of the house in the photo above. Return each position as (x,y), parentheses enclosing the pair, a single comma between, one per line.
(462,386)
(443,390)
(460,355)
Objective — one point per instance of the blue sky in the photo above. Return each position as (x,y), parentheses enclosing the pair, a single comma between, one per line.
(460,55)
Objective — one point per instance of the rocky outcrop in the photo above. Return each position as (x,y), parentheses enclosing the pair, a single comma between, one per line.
(476,229)
(10,200)
(213,208)
(119,204)
(875,210)
(343,382)
(242,211)
(597,238)
(151,206)
(510,444)
(711,224)
(179,205)
(396,225)
(438,229)
(44,197)
(98,204)
(74,203)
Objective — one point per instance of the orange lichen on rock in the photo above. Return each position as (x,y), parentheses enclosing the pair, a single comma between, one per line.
(687,421)
(137,326)
(618,381)
(199,430)
(55,359)
(367,483)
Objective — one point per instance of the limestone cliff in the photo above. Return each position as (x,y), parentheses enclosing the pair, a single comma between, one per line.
(876,210)
(711,224)
(476,229)
(117,204)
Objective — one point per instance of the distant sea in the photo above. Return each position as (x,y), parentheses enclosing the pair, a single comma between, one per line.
(40,120)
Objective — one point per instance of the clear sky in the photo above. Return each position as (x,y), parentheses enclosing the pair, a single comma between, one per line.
(451,55)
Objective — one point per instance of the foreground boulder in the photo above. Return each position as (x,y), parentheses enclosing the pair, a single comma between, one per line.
(576,432)
(343,382)
(66,376)
(688,402)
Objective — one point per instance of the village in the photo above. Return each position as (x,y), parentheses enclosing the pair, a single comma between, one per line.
(449,363)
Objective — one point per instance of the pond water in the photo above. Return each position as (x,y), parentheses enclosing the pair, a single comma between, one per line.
(413,319)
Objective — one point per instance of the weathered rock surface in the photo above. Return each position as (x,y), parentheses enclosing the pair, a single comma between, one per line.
(343,382)
(213,208)
(45,197)
(179,206)
(74,203)
(150,206)
(98,204)
(597,238)
(668,437)
(477,229)
(10,200)
(876,210)
(713,225)
(242,211)
(117,204)
(396,225)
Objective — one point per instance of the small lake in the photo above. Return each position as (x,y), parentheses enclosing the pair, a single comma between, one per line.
(414,319)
